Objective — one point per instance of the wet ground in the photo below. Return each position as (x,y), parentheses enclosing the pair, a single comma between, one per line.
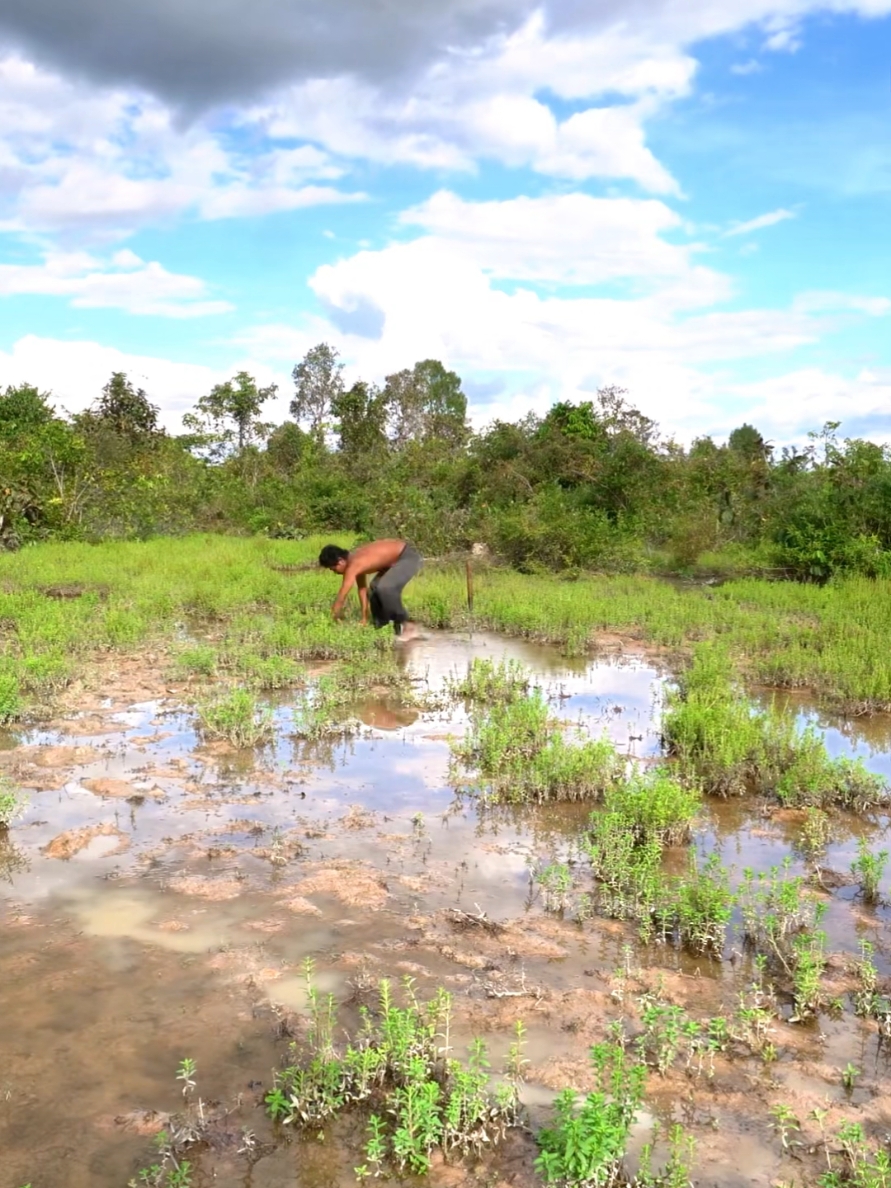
(159,898)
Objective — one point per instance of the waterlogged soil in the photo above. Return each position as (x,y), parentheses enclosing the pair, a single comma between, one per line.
(160,896)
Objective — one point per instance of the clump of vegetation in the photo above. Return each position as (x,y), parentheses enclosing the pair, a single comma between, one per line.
(489,681)
(653,806)
(183,1132)
(869,869)
(12,803)
(780,921)
(585,1145)
(523,754)
(399,1067)
(860,1165)
(721,739)
(235,716)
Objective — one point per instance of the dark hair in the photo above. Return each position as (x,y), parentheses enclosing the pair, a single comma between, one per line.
(331,554)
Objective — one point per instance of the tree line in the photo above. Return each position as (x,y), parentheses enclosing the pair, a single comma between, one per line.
(592,485)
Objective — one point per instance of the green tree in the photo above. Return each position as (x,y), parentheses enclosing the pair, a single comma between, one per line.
(426,404)
(361,421)
(126,410)
(229,415)
(318,383)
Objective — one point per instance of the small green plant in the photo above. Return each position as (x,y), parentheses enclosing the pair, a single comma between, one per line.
(522,754)
(850,1073)
(236,717)
(488,681)
(586,1144)
(816,833)
(12,803)
(184,1131)
(784,1123)
(398,1066)
(861,1166)
(869,869)
(555,881)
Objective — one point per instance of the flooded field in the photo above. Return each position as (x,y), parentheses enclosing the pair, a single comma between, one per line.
(160,896)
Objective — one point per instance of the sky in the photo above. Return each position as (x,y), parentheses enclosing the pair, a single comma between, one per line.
(685,198)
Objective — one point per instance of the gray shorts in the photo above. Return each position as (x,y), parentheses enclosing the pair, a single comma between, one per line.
(385,597)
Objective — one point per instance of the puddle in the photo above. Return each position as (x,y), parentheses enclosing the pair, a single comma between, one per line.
(161,897)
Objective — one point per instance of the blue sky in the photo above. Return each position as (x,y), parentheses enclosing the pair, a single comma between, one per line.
(689,201)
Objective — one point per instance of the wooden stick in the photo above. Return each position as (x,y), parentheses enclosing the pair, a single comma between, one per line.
(469,571)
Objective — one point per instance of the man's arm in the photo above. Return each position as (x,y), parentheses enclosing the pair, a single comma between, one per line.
(362,591)
(349,580)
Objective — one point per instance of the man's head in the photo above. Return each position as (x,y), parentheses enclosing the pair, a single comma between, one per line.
(333,557)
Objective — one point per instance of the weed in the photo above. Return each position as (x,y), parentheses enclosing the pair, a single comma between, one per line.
(399,1066)
(184,1131)
(784,1123)
(523,754)
(850,1073)
(488,681)
(720,738)
(654,806)
(12,803)
(585,1146)
(869,869)
(555,881)
(816,833)
(861,1165)
(236,717)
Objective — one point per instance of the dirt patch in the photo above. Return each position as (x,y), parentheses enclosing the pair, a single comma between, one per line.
(72,841)
(206,888)
(352,884)
(301,907)
(62,756)
(120,790)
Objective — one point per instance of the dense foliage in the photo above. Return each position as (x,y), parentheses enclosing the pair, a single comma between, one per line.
(590,485)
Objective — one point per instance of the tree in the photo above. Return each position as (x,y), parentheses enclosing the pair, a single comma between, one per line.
(125,410)
(361,414)
(318,383)
(230,413)
(426,404)
(23,409)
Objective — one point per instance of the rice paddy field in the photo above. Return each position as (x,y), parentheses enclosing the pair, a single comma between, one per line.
(587,886)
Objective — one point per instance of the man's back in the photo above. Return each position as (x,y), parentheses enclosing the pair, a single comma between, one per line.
(373,557)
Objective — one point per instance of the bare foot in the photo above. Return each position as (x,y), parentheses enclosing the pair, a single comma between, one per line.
(408,633)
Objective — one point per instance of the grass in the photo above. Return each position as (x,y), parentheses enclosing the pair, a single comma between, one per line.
(721,739)
(830,638)
(585,1146)
(523,754)
(399,1069)
(236,716)
(12,803)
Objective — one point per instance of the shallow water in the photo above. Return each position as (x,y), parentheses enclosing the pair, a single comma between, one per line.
(160,899)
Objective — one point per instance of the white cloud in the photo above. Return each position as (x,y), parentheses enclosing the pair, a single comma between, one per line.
(106,162)
(75,372)
(566,238)
(757,224)
(752,66)
(124,282)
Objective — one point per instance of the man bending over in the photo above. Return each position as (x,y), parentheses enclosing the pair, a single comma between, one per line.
(393,562)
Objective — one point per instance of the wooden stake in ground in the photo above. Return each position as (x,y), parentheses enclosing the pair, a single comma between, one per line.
(469,571)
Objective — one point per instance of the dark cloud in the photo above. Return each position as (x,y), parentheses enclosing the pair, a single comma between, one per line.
(197,53)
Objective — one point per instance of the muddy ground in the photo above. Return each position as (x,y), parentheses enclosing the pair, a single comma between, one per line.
(159,898)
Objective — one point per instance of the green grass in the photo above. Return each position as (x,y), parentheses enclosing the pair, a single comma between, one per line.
(523,754)
(12,803)
(236,716)
(721,739)
(831,638)
(398,1068)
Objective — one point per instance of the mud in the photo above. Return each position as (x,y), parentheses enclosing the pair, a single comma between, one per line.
(160,897)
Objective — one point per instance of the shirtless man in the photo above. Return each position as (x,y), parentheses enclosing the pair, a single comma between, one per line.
(394,563)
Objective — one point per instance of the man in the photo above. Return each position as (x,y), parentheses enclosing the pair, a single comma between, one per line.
(394,563)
